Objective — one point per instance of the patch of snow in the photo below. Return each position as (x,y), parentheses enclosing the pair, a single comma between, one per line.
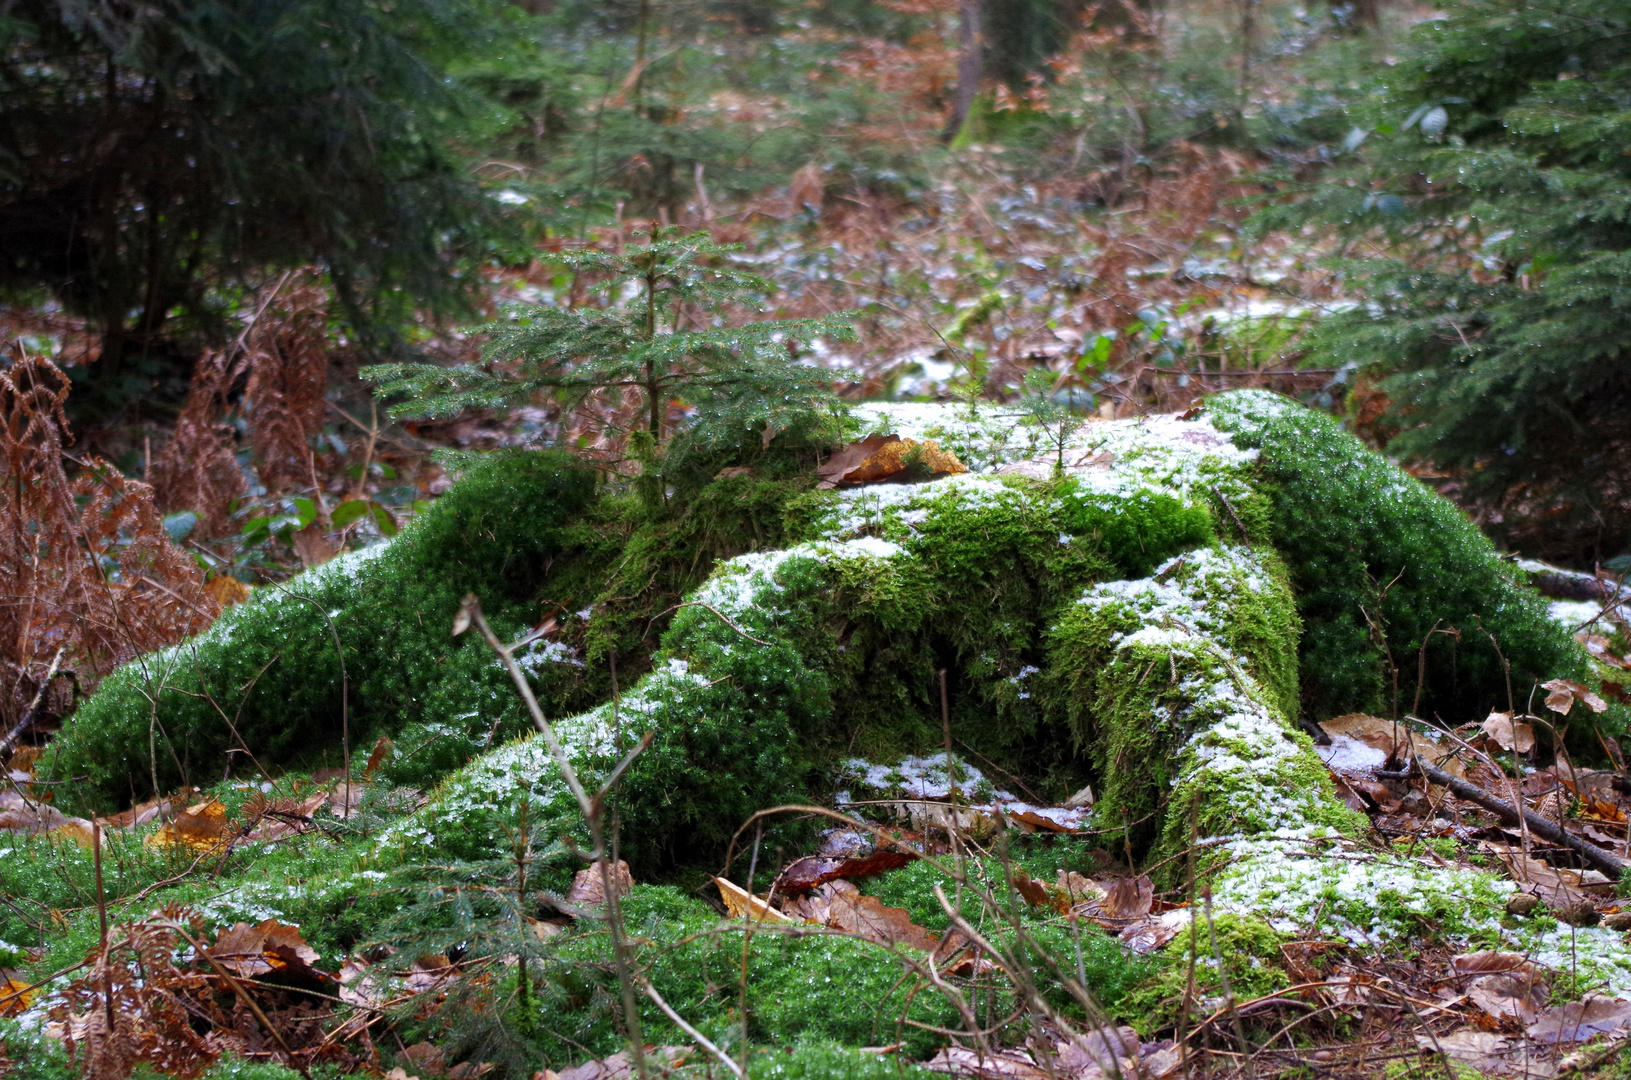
(1347,754)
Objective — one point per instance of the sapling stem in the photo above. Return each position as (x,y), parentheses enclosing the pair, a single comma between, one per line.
(593,811)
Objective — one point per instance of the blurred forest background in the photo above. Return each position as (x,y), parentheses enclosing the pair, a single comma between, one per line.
(215,213)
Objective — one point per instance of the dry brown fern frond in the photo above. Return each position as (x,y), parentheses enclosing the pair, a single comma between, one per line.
(128,1010)
(286,355)
(198,468)
(86,568)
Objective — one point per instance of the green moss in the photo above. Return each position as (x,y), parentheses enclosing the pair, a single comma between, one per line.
(782,663)
(1208,962)
(269,668)
(1182,688)
(1377,560)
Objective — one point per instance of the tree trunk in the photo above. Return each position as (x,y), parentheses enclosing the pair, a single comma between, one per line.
(969,68)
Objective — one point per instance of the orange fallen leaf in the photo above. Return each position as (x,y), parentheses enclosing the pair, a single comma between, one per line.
(879,457)
(15,996)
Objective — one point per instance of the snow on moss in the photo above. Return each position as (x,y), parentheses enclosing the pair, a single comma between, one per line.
(1189,458)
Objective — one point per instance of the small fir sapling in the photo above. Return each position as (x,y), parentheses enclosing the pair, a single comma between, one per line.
(669,341)
(1051,409)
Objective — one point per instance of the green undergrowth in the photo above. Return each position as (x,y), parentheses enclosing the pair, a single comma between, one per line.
(1377,561)
(1207,964)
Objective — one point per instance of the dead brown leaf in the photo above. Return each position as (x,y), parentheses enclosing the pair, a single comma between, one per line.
(802,875)
(1507,986)
(880,457)
(201,827)
(1509,734)
(1495,1055)
(1152,932)
(871,919)
(276,818)
(270,946)
(1578,1021)
(383,749)
(1127,898)
(589,886)
(817,906)
(1034,892)
(19,814)
(1602,650)
(1564,693)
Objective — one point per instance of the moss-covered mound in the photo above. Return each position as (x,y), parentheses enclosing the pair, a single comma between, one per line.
(1147,612)
(1378,562)
(267,677)
(1094,611)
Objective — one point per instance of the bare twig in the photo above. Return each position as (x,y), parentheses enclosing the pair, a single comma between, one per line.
(592,809)
(1611,865)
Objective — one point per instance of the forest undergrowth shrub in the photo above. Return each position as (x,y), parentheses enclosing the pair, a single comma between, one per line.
(88,576)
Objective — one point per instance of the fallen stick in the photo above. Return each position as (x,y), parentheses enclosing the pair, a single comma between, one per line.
(1612,866)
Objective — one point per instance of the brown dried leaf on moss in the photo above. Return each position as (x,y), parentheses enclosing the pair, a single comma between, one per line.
(202,827)
(802,875)
(589,887)
(881,457)
(1578,1021)
(873,920)
(1506,986)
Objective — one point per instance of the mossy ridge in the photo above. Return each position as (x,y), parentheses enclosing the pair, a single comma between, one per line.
(270,666)
(1363,538)
(1182,686)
